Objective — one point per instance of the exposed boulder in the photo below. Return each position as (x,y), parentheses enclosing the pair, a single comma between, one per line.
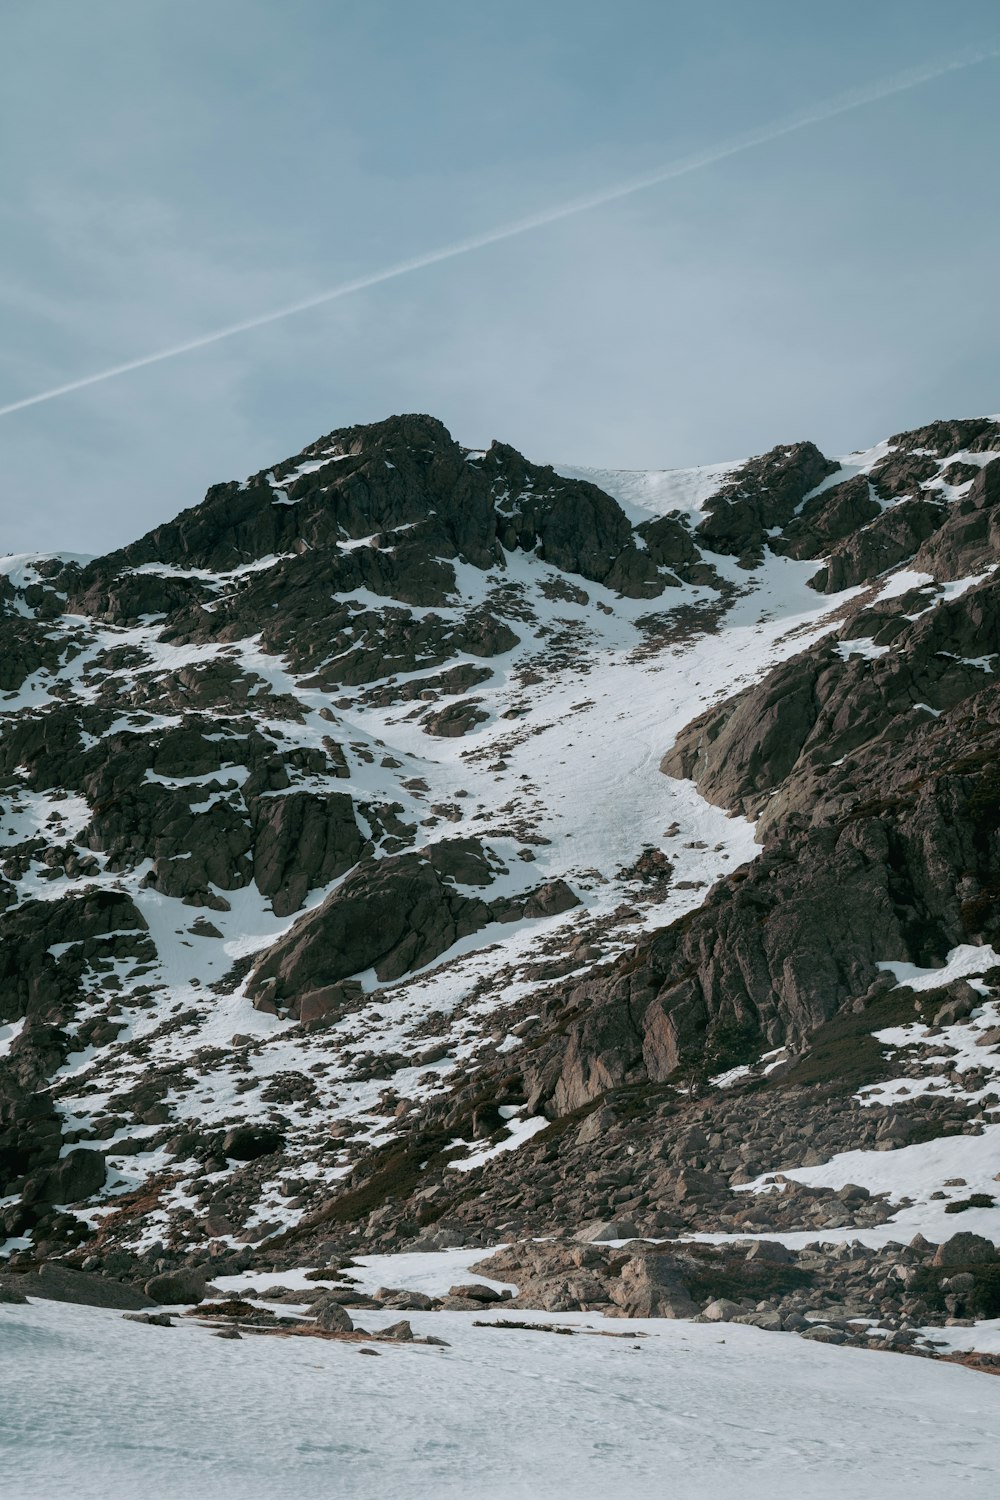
(966,1250)
(58,1283)
(651,1286)
(331,1317)
(391,915)
(177,1288)
(248,1142)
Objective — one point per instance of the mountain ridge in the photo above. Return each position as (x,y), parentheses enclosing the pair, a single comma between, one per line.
(403,799)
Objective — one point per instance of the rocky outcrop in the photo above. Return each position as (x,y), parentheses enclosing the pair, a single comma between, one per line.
(968,542)
(829,517)
(573,525)
(300,841)
(95,924)
(23,649)
(882,838)
(762,495)
(891,538)
(390,915)
(404,490)
(776,748)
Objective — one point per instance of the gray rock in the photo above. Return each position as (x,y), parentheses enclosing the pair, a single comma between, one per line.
(966,1249)
(608,1229)
(175,1288)
(404,1300)
(476,1290)
(332,1317)
(720,1311)
(57,1283)
(401,1332)
(820,1334)
(770,1321)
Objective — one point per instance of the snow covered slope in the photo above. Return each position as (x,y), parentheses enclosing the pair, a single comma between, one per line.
(345,897)
(512,1415)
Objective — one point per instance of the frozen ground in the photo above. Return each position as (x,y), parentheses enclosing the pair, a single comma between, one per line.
(96,1408)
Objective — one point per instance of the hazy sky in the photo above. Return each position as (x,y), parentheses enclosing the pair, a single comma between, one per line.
(171,166)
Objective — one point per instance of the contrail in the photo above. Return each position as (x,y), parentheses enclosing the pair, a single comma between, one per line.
(840,104)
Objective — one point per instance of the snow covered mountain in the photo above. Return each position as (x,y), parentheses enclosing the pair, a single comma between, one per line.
(412,846)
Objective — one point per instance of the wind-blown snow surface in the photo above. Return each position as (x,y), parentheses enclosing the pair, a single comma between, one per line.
(96,1408)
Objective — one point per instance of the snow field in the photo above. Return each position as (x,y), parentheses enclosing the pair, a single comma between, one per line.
(101,1409)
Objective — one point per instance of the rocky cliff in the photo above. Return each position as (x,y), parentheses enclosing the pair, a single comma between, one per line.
(405,842)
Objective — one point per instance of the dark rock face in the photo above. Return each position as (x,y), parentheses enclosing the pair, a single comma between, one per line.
(670,545)
(974,434)
(764,494)
(93,923)
(23,648)
(248,1142)
(390,915)
(176,1288)
(814,710)
(358,481)
(969,540)
(891,538)
(829,517)
(902,473)
(405,487)
(573,524)
(301,841)
(73,1178)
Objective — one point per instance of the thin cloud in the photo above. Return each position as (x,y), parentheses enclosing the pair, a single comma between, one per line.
(838,105)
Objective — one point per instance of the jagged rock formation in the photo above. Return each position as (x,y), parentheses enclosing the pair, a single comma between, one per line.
(333,835)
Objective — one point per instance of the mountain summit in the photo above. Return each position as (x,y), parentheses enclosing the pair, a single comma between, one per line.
(413,846)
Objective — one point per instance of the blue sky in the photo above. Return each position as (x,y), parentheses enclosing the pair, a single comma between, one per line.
(170,167)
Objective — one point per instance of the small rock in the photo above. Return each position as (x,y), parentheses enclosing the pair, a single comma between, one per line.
(720,1311)
(401,1332)
(476,1291)
(609,1229)
(403,1300)
(770,1321)
(333,1318)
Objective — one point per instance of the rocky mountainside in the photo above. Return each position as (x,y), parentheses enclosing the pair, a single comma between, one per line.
(416,846)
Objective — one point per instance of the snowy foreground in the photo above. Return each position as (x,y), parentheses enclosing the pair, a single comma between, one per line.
(97,1408)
